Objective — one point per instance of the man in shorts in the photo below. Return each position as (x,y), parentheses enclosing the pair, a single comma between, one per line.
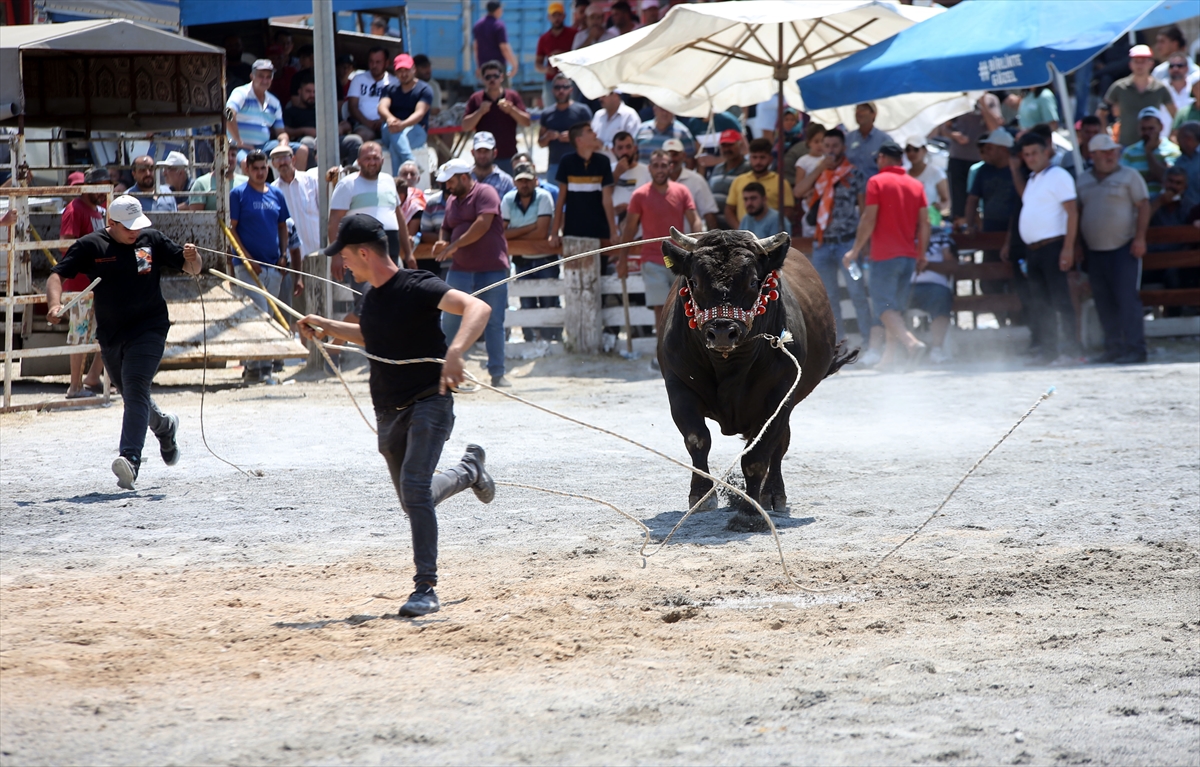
(401,318)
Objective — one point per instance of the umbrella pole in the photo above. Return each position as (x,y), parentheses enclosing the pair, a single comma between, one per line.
(780,74)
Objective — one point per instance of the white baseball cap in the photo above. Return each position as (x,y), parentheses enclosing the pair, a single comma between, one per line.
(174,160)
(1102,142)
(127,211)
(916,142)
(455,167)
(281,149)
(484,140)
(672,145)
(999,137)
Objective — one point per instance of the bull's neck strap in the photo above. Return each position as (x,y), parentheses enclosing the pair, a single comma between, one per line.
(767,292)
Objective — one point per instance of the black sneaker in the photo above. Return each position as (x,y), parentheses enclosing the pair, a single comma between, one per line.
(484,486)
(167,446)
(423,601)
(1131,358)
(126,471)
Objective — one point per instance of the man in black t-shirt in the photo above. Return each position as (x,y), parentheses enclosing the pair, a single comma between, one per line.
(585,182)
(131,320)
(401,319)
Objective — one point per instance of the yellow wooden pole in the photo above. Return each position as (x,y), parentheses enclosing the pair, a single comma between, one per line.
(246,260)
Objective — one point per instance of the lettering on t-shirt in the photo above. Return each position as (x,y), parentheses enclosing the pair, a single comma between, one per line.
(144,260)
(374,89)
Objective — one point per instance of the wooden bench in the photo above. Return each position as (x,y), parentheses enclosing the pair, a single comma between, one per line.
(1186,257)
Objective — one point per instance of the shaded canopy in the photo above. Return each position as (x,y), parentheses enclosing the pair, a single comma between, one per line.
(109,75)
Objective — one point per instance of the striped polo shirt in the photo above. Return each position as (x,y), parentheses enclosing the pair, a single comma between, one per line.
(254,118)
(584,181)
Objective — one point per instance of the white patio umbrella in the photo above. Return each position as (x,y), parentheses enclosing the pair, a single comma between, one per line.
(707,57)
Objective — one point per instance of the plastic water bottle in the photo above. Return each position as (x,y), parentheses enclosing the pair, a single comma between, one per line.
(855,270)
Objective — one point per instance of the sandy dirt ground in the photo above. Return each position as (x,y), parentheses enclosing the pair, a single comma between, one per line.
(1051,616)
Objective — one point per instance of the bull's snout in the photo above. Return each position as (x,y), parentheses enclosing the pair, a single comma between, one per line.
(722,335)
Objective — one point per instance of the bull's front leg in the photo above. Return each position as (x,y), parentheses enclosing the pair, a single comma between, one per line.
(756,468)
(688,413)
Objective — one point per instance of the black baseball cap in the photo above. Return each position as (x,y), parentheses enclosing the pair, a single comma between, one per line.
(356,229)
(891,149)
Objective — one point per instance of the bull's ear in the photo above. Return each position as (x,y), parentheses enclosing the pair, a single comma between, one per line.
(774,251)
(678,260)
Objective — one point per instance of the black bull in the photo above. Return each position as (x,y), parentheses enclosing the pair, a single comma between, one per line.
(717,368)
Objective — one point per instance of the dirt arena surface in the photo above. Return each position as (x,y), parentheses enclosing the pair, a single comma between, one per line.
(1050,617)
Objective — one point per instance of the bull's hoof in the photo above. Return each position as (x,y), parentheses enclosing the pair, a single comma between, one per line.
(708,505)
(743,522)
(778,502)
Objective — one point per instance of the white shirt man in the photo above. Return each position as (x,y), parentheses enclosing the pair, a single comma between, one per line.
(300,190)
(615,117)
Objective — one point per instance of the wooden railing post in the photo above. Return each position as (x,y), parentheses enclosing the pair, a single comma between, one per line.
(314,303)
(582,324)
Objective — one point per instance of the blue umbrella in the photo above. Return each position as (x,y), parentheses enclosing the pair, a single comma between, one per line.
(986,44)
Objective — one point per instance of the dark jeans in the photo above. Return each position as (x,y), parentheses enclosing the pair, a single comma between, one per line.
(524,264)
(411,440)
(1114,278)
(1050,300)
(956,173)
(132,363)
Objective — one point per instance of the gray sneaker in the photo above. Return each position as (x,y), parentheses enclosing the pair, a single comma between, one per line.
(484,486)
(423,601)
(126,472)
(500,382)
(167,446)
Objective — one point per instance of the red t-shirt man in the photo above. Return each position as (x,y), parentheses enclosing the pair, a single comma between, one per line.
(79,218)
(657,213)
(900,198)
(550,44)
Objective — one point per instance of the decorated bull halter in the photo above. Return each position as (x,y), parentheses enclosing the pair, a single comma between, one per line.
(697,317)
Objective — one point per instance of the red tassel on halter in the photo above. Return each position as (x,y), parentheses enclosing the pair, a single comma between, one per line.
(684,291)
(689,310)
(773,295)
(760,309)
(692,324)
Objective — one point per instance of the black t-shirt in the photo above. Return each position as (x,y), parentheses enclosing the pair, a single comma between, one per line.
(300,117)
(404,104)
(128,299)
(585,181)
(400,320)
(561,120)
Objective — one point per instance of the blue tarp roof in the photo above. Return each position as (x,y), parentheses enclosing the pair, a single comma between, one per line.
(986,45)
(218,11)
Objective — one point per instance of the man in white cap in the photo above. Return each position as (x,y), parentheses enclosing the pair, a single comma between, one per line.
(1114,215)
(706,204)
(483,149)
(131,319)
(1127,97)
(175,179)
(1152,154)
(472,239)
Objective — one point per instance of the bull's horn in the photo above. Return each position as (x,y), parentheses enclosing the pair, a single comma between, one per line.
(769,244)
(682,240)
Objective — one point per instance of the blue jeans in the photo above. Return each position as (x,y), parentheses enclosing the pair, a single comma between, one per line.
(132,362)
(1114,278)
(827,258)
(411,440)
(891,280)
(401,144)
(272,280)
(496,298)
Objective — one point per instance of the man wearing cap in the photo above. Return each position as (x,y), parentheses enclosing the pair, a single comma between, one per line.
(366,89)
(1047,224)
(472,239)
(650,11)
(300,189)
(652,134)
(150,194)
(527,212)
(556,40)
(258,115)
(556,123)
(131,319)
(721,176)
(896,222)
(657,207)
(175,179)
(1153,154)
(497,110)
(614,116)
(702,196)
(1114,213)
(963,134)
(401,319)
(992,186)
(404,108)
(258,215)
(595,31)
(82,216)
(863,143)
(199,200)
(483,149)
(1127,97)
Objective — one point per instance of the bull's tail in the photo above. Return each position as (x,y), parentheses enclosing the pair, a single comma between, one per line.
(842,357)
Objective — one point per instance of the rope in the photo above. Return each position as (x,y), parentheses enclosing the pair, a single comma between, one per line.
(293,271)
